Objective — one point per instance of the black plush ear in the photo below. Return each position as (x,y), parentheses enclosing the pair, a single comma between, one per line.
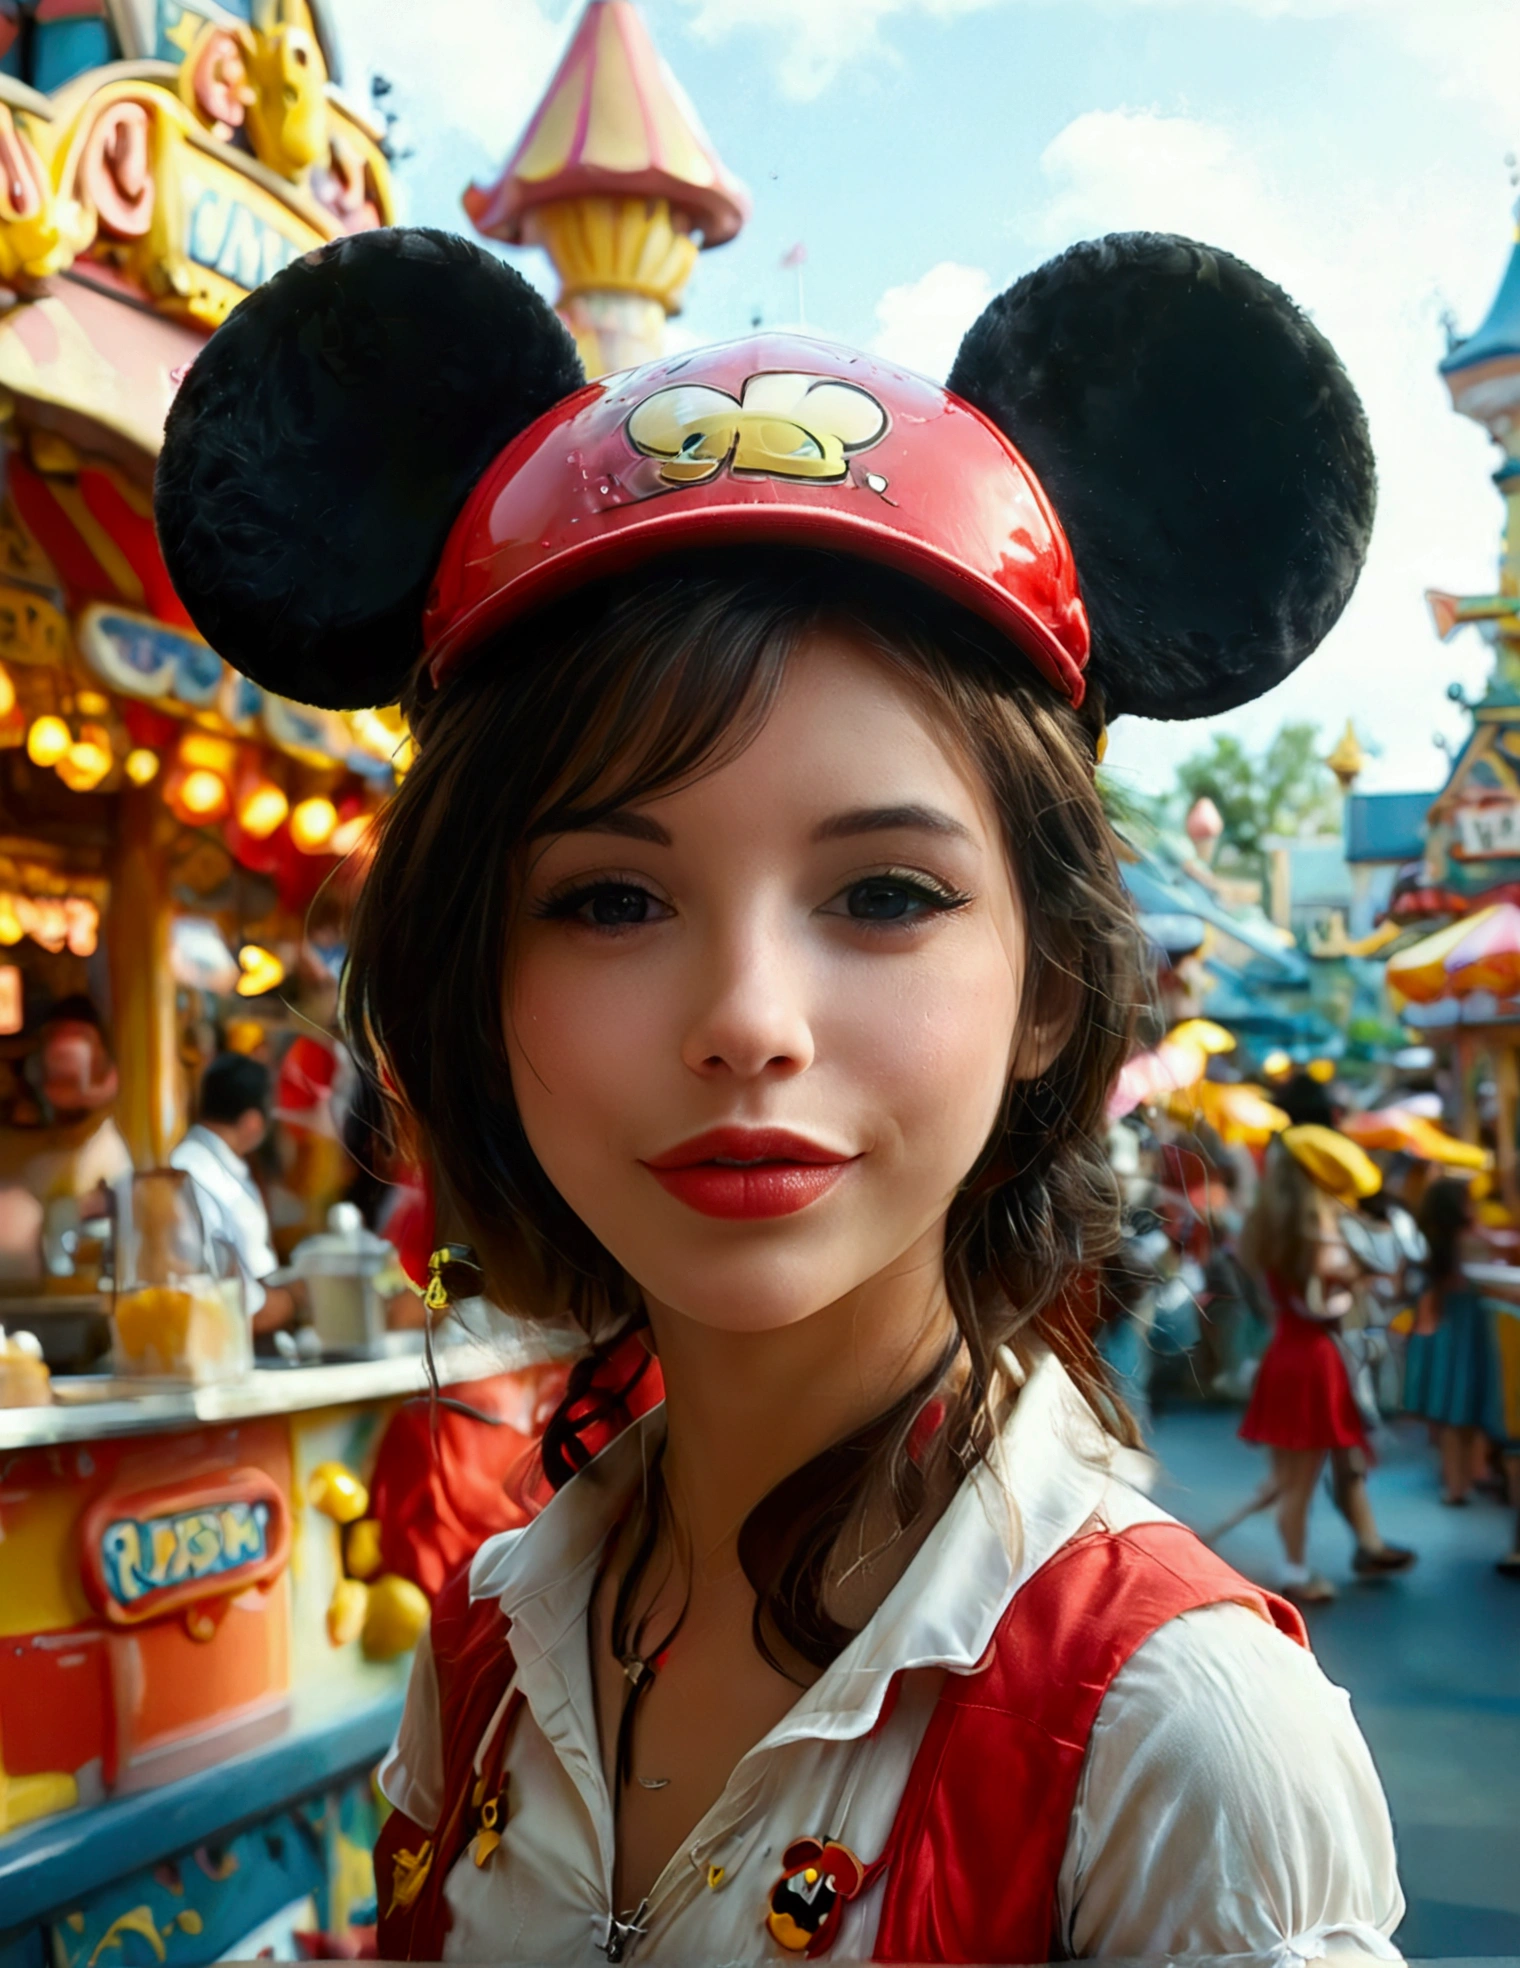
(323,442)
(1205,451)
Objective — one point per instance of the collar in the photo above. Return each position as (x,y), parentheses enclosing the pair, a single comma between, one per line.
(1046,1476)
(203,1137)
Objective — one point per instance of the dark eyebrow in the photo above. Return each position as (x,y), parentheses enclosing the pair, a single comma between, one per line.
(840,826)
(890,819)
(622,820)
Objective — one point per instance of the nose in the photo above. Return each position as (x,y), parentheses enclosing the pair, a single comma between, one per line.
(749,1016)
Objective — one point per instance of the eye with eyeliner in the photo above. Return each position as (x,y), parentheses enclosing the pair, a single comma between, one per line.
(885,898)
(617,896)
(893,898)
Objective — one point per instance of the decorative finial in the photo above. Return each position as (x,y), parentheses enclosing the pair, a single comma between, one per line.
(1348,758)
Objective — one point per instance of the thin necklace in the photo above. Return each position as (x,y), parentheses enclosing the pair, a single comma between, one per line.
(639,1663)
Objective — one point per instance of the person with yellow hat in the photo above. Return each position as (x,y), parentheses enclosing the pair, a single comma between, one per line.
(1302,1407)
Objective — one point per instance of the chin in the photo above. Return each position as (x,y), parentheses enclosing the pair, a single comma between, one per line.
(749,1293)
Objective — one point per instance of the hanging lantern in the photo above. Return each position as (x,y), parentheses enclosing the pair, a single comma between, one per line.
(197,789)
(11,1017)
(261,969)
(203,750)
(351,834)
(141,765)
(312,824)
(45,920)
(48,740)
(7,692)
(87,760)
(260,805)
(11,927)
(200,796)
(82,919)
(203,794)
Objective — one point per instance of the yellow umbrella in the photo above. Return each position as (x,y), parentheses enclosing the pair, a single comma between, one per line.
(1203,1033)
(1239,1113)
(1397,1131)
(1334,1163)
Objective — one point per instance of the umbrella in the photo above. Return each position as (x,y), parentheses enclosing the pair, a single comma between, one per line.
(1181,1059)
(1480,952)
(1237,1112)
(1401,1132)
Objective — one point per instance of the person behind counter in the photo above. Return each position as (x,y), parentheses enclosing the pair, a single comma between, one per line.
(235,1100)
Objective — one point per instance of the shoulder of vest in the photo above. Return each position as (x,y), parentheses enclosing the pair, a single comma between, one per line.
(1096,1601)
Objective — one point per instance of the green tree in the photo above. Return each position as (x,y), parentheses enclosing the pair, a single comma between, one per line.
(1284,789)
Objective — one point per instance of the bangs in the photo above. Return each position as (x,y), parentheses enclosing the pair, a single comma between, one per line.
(667,687)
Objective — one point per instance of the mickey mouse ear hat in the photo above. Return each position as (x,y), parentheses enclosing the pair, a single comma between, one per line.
(1149,469)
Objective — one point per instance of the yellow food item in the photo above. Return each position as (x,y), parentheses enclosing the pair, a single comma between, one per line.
(398,1611)
(191,1331)
(24,1379)
(337,1493)
(361,1548)
(347,1611)
(153,1325)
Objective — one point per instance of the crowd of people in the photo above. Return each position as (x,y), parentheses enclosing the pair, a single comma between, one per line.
(1330,1290)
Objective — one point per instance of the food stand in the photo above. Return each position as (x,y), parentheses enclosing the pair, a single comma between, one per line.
(190,1712)
(165,1669)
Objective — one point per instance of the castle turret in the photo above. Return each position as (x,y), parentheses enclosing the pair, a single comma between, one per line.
(1482,373)
(617,180)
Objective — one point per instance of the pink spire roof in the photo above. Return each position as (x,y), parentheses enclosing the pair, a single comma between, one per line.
(614,122)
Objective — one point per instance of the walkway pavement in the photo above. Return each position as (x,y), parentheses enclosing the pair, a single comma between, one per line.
(1432,1662)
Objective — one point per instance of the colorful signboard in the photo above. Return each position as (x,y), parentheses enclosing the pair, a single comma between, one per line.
(161,1551)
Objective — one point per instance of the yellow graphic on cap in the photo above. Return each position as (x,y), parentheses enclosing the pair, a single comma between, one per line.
(786,425)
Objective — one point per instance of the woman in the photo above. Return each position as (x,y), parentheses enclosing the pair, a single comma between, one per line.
(1302,1406)
(1451,1372)
(747,950)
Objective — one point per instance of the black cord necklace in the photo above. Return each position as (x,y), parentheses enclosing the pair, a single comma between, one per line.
(639,1661)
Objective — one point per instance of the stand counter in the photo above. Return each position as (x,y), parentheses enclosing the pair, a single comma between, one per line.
(205,1635)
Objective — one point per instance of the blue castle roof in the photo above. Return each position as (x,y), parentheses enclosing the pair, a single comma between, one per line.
(1500,332)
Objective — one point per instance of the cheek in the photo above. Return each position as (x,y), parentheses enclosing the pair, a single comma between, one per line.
(932,1041)
(577,1035)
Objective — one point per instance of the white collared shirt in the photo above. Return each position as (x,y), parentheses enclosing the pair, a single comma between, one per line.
(1228,1804)
(230,1205)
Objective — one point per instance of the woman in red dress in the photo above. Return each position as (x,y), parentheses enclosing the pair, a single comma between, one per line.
(1302,1407)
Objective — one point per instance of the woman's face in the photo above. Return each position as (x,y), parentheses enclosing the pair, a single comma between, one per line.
(760,1027)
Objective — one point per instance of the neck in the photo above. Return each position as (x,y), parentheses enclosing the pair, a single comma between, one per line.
(744,1409)
(225,1133)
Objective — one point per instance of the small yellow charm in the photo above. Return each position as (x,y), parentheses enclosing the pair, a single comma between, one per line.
(715,1877)
(453,1273)
(409,1871)
(486,1840)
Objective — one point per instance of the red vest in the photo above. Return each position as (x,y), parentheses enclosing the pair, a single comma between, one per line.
(973,1860)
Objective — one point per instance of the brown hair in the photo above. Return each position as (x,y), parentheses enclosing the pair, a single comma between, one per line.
(1278,1235)
(632,689)
(1444,1215)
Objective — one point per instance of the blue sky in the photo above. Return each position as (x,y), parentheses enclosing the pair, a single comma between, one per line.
(929,151)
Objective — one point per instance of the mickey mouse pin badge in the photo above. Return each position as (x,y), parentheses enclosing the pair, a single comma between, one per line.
(806,1904)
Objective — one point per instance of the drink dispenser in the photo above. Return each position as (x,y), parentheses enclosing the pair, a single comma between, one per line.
(178,1307)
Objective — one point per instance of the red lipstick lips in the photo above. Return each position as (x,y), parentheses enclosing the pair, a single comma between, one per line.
(748,1173)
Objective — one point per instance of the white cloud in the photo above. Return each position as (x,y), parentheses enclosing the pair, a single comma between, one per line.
(1470,48)
(1363,260)
(921,323)
(817,39)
